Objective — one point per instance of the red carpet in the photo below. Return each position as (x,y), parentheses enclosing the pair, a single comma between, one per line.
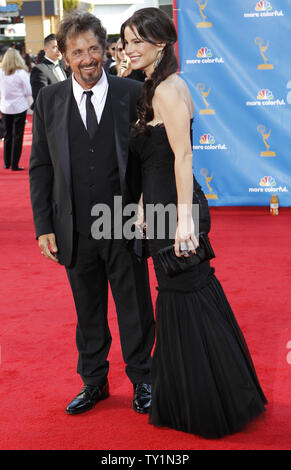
(38,354)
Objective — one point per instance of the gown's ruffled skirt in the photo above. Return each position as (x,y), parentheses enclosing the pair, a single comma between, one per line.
(204,381)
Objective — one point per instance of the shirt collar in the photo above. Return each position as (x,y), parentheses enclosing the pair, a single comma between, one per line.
(99,89)
(55,63)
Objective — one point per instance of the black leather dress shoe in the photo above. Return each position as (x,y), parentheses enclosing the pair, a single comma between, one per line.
(142,397)
(6,167)
(87,398)
(18,168)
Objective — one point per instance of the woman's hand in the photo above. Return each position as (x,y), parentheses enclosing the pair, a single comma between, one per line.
(185,239)
(123,67)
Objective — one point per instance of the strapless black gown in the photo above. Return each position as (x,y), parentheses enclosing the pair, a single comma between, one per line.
(203,378)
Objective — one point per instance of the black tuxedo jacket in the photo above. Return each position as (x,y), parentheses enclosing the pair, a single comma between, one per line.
(42,75)
(50,173)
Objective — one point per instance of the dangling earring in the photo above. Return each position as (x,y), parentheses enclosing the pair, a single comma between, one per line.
(158,59)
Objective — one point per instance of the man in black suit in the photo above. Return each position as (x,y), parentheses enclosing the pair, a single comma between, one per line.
(50,69)
(78,159)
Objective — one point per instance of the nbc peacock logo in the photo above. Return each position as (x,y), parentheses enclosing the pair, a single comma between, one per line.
(265,94)
(207,139)
(265,97)
(268,184)
(263,5)
(207,142)
(263,9)
(204,52)
(267,181)
(204,56)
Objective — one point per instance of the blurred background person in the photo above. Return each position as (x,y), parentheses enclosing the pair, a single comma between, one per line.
(123,66)
(40,56)
(109,64)
(49,70)
(27,59)
(15,93)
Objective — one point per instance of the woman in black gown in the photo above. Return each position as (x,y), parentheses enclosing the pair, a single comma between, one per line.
(203,378)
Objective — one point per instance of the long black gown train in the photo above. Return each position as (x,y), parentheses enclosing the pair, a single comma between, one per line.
(203,378)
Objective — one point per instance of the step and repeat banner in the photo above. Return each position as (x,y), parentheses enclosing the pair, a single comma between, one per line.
(235,56)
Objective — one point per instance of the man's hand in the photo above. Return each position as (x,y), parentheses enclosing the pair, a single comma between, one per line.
(48,246)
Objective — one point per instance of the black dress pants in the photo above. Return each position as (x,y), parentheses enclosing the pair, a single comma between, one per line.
(97,262)
(13,138)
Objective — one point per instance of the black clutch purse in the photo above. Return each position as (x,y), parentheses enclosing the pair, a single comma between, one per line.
(173,265)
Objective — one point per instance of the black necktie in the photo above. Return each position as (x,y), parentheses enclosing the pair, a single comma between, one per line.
(91,119)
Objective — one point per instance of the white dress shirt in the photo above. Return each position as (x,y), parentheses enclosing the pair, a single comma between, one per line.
(15,90)
(57,70)
(98,98)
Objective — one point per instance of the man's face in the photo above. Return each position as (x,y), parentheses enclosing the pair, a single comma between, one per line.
(52,50)
(84,55)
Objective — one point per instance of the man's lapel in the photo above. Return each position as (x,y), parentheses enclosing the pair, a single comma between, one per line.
(62,106)
(50,71)
(121,121)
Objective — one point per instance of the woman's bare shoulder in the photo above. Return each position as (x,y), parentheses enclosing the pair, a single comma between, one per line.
(167,85)
(172,89)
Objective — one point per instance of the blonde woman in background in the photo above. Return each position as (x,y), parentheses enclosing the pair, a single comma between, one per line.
(123,64)
(15,93)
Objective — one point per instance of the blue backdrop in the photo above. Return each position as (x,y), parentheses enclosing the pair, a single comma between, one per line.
(235,57)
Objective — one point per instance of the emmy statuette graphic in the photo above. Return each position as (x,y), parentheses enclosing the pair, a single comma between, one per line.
(211,195)
(263,47)
(201,88)
(204,23)
(267,153)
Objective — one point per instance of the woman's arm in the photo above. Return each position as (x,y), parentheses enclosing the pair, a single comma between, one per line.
(174,111)
(26,83)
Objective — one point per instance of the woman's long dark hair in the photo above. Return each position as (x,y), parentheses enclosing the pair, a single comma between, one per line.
(155,26)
